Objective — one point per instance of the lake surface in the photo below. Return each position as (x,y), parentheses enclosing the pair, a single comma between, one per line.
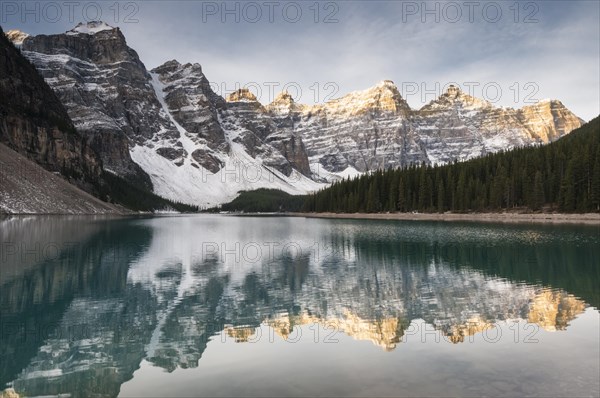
(272,306)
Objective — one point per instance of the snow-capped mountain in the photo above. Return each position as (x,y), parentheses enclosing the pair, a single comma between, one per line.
(260,134)
(459,126)
(376,128)
(203,172)
(168,130)
(362,131)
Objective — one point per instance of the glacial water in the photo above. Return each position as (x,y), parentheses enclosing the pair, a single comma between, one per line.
(275,306)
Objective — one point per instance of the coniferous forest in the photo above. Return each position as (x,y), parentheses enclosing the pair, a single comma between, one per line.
(562,176)
(262,201)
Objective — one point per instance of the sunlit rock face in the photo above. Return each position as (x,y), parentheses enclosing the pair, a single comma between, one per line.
(384,98)
(554,310)
(16,36)
(362,131)
(384,333)
(548,120)
(375,128)
(457,126)
(242,95)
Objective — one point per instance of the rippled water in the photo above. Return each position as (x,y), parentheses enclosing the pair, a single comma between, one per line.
(254,306)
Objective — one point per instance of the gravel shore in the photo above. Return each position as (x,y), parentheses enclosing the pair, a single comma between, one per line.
(587,218)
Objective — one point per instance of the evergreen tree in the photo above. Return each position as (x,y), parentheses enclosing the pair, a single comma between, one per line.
(393,195)
(461,192)
(568,188)
(538,192)
(441,194)
(401,195)
(422,189)
(373,198)
(595,186)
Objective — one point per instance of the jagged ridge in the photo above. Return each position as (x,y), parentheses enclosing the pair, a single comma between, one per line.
(182,134)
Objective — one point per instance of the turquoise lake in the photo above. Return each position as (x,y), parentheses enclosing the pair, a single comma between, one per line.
(211,305)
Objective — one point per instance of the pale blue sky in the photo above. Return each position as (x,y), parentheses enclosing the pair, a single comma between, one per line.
(549,49)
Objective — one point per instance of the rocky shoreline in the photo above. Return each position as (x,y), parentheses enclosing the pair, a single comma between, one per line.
(556,218)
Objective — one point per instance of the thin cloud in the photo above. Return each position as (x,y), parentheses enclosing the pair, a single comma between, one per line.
(372,41)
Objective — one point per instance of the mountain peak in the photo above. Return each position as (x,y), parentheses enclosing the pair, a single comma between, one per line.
(283,104)
(172,62)
(383,87)
(384,96)
(453,91)
(546,102)
(168,67)
(242,95)
(283,98)
(386,84)
(90,28)
(16,36)
(454,97)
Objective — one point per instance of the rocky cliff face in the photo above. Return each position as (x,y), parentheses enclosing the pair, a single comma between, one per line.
(105,89)
(253,127)
(548,120)
(165,129)
(16,37)
(375,128)
(192,103)
(458,126)
(168,128)
(362,131)
(34,122)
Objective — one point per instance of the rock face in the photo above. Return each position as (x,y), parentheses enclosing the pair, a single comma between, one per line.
(16,37)
(165,129)
(362,131)
(375,128)
(105,89)
(548,120)
(458,126)
(253,127)
(168,129)
(34,123)
(193,104)
(284,113)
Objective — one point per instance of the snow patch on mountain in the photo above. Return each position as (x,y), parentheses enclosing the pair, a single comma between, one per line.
(90,28)
(323,175)
(193,184)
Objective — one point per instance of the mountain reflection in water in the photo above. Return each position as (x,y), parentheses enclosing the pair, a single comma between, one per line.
(85,301)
